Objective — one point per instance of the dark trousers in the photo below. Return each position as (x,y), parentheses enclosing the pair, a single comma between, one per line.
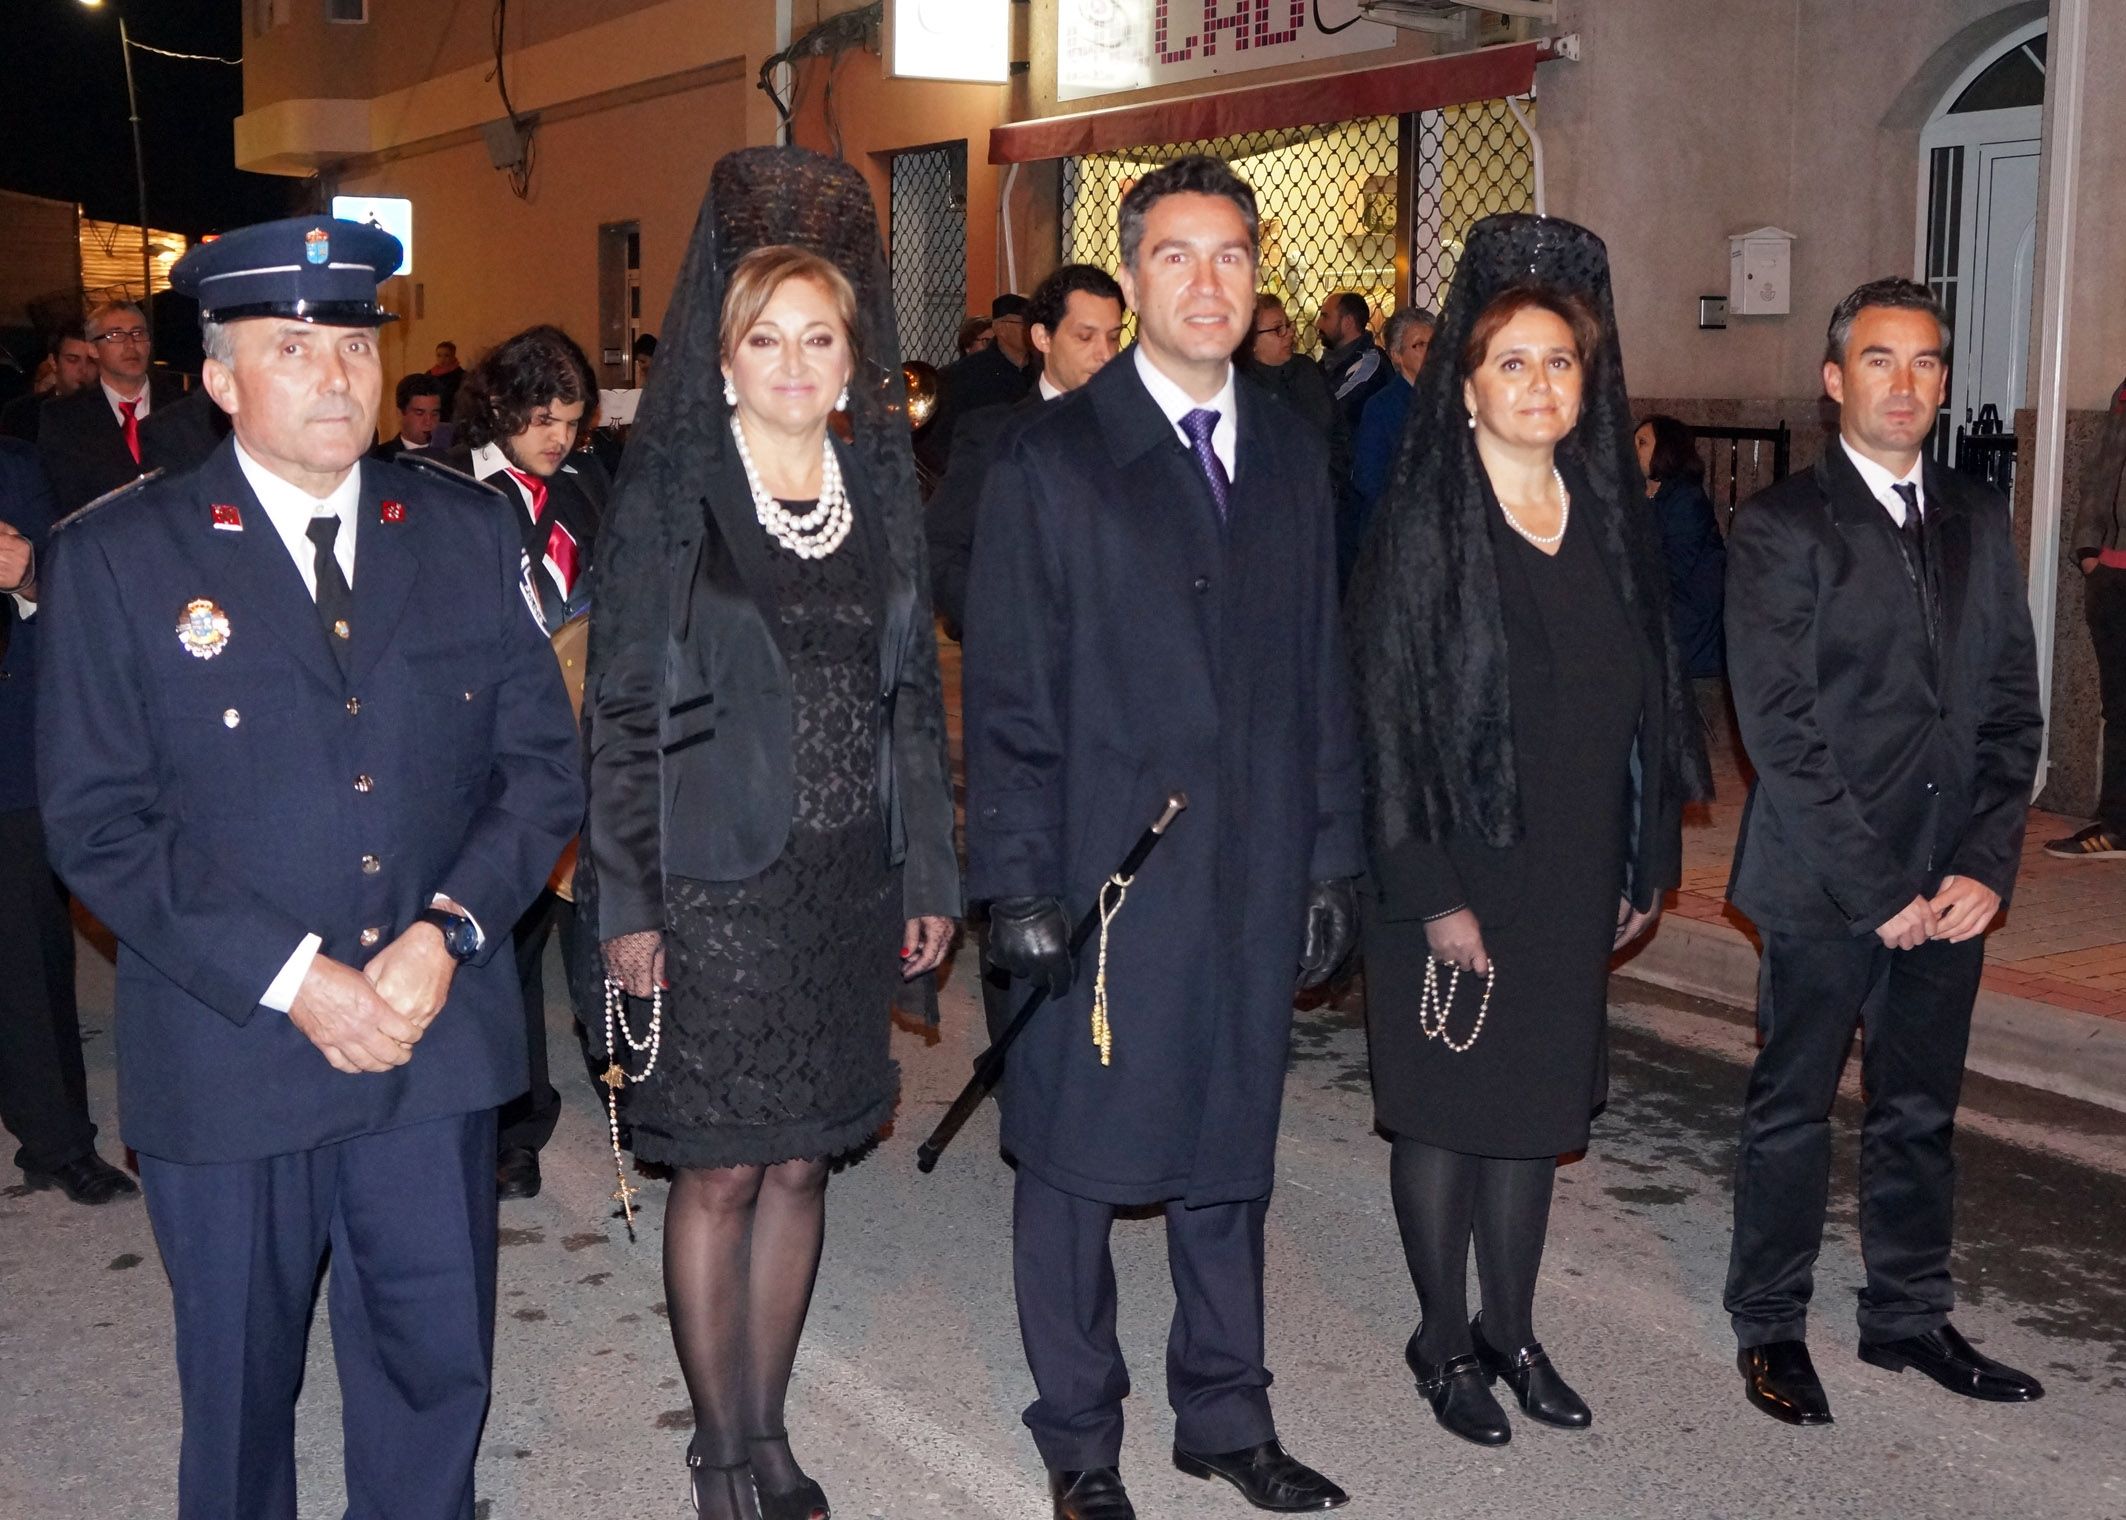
(409,1218)
(1914,1009)
(2104,599)
(44,1100)
(527,1121)
(1064,1277)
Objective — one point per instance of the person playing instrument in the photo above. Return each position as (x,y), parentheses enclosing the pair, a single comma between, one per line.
(1529,742)
(770,827)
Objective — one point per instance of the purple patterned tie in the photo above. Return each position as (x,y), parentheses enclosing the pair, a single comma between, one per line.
(1199,426)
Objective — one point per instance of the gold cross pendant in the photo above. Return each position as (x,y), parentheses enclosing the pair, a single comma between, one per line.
(614,1077)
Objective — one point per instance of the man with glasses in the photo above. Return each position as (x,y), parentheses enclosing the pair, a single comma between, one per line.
(89,442)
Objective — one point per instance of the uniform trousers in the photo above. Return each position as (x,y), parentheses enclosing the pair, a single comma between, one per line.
(409,1218)
(1064,1277)
(527,1121)
(1914,1011)
(43,1089)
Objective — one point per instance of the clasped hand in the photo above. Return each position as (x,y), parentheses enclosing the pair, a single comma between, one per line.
(370,1020)
(1960,910)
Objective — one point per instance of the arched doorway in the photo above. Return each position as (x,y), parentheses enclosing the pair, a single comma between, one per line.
(1978,195)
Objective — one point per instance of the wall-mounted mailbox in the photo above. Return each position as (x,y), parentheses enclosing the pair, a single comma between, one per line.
(1760,267)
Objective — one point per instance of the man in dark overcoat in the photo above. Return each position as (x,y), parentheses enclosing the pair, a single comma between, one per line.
(1152,609)
(303,748)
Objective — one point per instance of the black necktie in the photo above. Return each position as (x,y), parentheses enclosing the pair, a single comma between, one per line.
(335,599)
(1913,534)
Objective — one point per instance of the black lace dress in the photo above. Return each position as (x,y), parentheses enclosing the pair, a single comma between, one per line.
(777,1021)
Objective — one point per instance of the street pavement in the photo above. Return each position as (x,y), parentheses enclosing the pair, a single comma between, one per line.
(910,1383)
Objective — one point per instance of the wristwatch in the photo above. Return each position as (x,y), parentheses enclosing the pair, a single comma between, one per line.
(460,938)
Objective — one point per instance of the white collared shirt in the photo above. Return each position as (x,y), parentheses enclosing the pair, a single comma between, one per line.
(1177,403)
(1880,483)
(1048,389)
(117,402)
(290,508)
(488,461)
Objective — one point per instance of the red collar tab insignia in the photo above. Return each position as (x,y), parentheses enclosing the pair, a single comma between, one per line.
(391,512)
(227,519)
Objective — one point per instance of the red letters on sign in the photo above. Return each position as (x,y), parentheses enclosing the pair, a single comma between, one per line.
(1248,21)
(1239,23)
(1181,54)
(1264,37)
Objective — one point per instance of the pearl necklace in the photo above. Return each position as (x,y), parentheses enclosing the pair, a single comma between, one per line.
(1434,1006)
(1544,540)
(808,535)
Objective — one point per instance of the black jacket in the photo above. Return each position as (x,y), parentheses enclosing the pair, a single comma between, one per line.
(985,378)
(183,434)
(1697,575)
(82,446)
(955,506)
(25,506)
(575,498)
(1882,765)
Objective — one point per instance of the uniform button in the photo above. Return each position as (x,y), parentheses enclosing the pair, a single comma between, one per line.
(1203,583)
(468,696)
(371,865)
(363,785)
(371,936)
(354,705)
(231,717)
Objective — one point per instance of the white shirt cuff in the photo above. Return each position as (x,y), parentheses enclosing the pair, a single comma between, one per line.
(479,934)
(23,609)
(280,997)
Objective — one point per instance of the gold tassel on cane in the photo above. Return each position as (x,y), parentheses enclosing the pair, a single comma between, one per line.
(1103,1030)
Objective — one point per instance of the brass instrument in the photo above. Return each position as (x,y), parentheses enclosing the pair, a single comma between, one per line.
(922,382)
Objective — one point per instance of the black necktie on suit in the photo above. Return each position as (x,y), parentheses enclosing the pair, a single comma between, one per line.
(335,598)
(1912,533)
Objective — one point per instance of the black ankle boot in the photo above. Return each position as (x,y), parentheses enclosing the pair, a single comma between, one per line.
(1459,1398)
(1537,1387)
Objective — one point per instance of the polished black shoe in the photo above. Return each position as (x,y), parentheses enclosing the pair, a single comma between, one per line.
(1267,1476)
(1537,1387)
(1092,1493)
(517,1173)
(1950,1360)
(1460,1399)
(87,1179)
(1779,1379)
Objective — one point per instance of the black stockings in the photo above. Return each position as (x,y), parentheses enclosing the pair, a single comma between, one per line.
(1442,1199)
(741,1250)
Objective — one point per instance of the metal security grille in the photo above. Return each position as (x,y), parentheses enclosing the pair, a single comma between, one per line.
(1341,205)
(930,250)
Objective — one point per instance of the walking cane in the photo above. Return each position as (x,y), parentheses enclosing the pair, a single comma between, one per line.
(989,1065)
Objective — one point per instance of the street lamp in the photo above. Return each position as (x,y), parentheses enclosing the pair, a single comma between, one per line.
(140,170)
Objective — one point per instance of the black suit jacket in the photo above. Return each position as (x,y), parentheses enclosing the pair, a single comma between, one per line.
(1883,764)
(985,378)
(575,498)
(25,506)
(955,505)
(83,448)
(181,435)
(691,726)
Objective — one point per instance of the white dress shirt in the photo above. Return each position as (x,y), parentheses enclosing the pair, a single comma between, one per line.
(1177,404)
(1880,483)
(488,461)
(117,403)
(1048,389)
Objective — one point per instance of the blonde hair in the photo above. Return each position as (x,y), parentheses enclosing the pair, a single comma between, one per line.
(762,272)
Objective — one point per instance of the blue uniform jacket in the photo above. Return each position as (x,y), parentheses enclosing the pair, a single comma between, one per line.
(213,810)
(25,506)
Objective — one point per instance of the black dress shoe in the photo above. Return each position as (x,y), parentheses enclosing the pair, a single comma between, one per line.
(1459,1397)
(517,1173)
(86,1179)
(1779,1379)
(1542,1393)
(1092,1493)
(1267,1476)
(1949,1359)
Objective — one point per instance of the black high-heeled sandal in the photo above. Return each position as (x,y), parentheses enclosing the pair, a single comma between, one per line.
(807,1501)
(729,1470)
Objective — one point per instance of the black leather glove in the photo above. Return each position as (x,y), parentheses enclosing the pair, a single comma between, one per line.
(1030,938)
(1332,928)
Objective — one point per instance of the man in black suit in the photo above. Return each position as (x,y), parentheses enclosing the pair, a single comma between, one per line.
(997,375)
(43,1085)
(419,399)
(522,412)
(1153,609)
(73,359)
(89,442)
(1884,674)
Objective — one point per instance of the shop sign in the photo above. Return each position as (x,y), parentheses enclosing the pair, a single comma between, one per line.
(1105,46)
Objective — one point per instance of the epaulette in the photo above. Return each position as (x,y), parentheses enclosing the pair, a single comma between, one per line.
(435,469)
(106,499)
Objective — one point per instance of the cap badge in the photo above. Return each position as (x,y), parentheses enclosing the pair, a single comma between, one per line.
(227,519)
(203,629)
(317,245)
(392,511)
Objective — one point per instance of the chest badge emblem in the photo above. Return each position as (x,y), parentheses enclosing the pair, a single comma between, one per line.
(392,511)
(203,629)
(228,519)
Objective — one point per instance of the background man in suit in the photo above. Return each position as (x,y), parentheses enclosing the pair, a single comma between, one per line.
(73,359)
(43,1087)
(1153,609)
(522,410)
(299,740)
(419,399)
(1886,683)
(997,374)
(89,443)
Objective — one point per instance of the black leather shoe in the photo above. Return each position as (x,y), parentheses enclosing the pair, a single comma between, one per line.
(1541,1392)
(87,1179)
(517,1173)
(1779,1379)
(1950,1360)
(1460,1400)
(1267,1476)
(1092,1493)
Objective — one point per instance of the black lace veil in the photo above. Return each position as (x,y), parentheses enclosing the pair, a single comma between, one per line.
(1428,645)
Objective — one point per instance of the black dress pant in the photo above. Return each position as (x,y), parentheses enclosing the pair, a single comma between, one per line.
(1064,1278)
(527,1121)
(2104,599)
(43,1089)
(1914,1010)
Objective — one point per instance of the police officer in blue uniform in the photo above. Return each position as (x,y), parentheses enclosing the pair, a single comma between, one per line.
(303,748)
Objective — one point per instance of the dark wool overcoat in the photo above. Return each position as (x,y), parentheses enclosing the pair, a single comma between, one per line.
(1121,645)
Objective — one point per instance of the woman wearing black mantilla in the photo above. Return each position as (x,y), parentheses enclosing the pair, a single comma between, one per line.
(770,830)
(1529,744)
